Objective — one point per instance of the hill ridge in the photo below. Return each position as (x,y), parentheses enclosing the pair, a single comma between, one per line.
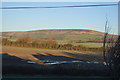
(64,35)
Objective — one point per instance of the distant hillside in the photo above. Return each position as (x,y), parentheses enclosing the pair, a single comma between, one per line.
(63,35)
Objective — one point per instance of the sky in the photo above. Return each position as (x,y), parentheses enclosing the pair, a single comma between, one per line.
(60,0)
(92,18)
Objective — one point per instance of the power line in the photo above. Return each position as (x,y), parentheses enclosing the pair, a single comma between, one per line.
(97,5)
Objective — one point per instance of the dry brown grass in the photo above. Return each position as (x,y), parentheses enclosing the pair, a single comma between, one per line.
(27,53)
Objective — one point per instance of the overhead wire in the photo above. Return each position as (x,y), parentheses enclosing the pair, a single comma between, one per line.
(74,6)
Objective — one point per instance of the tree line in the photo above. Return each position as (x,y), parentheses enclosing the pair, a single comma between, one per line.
(46,44)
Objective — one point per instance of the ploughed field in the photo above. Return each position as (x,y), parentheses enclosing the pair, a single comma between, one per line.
(35,61)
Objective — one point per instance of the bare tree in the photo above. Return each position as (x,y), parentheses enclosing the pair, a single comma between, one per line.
(111,52)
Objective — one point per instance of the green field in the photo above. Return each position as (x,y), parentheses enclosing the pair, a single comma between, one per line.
(69,37)
(92,45)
